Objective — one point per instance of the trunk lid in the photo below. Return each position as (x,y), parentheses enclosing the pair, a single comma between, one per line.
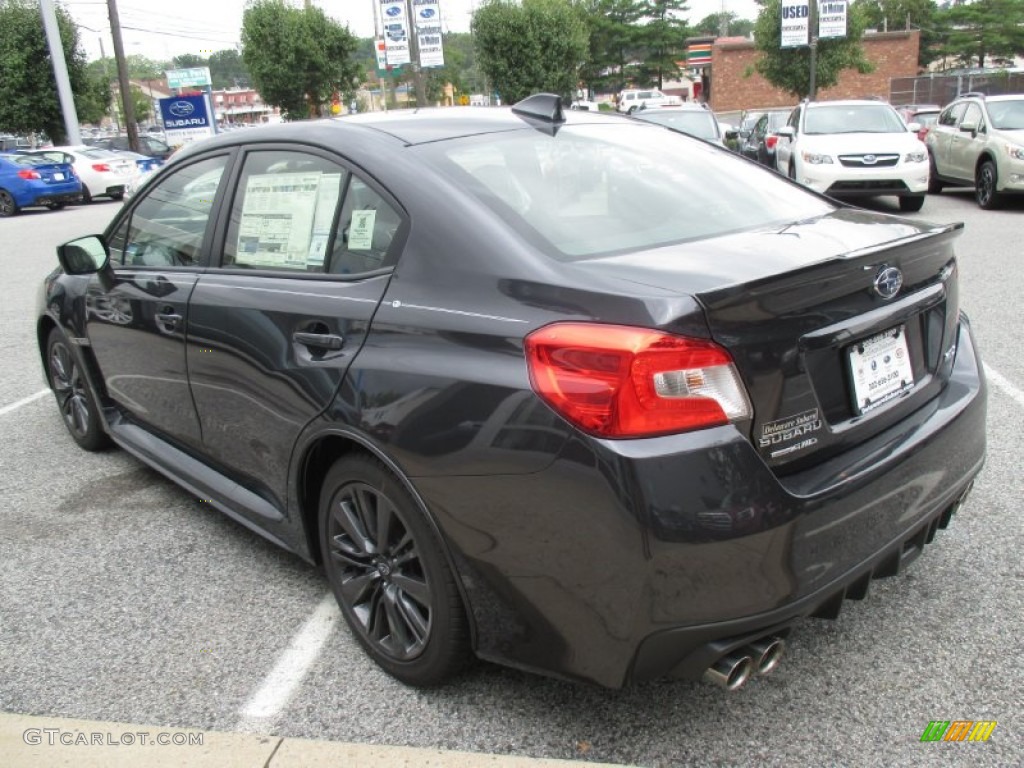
(827,357)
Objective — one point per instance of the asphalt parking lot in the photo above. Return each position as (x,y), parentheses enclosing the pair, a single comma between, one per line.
(123,598)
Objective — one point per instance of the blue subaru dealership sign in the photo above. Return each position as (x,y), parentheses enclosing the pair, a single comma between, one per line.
(186,118)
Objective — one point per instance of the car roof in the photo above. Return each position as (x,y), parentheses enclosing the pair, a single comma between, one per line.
(849,103)
(688,106)
(408,126)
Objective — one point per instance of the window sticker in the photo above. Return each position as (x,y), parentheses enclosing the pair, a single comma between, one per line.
(326,203)
(277,219)
(360,234)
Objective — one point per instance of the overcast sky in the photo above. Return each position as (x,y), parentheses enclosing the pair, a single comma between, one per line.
(161,30)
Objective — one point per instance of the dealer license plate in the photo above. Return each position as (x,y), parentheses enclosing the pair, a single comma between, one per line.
(880,369)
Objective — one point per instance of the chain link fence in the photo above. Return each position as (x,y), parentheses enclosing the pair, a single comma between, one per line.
(942,89)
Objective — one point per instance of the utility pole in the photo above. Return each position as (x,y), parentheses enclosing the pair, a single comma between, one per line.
(813,30)
(414,54)
(122,77)
(60,72)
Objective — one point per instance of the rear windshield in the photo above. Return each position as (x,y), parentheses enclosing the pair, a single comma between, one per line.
(28,159)
(696,123)
(601,189)
(854,118)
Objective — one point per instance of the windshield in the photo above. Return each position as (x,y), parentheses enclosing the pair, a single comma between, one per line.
(1007,115)
(601,189)
(696,123)
(853,118)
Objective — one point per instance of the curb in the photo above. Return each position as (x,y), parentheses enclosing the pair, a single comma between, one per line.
(27,741)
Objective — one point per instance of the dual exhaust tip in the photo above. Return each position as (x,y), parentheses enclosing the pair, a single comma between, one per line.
(735,669)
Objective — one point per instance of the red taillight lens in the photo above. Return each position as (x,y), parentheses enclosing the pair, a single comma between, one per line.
(771,141)
(102,167)
(25,174)
(618,381)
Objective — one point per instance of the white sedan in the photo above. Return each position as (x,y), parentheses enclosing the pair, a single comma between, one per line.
(103,173)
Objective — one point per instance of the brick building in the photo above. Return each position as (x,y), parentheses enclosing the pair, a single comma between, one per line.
(894,54)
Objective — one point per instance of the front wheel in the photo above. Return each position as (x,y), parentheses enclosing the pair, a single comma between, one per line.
(985,182)
(389,574)
(81,416)
(911,204)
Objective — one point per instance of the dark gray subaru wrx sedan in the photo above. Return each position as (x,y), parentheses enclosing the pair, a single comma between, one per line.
(570,392)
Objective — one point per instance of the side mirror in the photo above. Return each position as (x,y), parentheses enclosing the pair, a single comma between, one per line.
(731,134)
(87,256)
(968,127)
(913,127)
(745,133)
(786,132)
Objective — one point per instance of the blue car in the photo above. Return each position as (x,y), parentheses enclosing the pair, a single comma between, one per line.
(27,180)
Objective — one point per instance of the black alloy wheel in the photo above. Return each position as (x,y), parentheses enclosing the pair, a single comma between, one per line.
(7,205)
(985,186)
(389,575)
(81,416)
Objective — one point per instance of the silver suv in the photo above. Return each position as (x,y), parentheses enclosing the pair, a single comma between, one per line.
(979,141)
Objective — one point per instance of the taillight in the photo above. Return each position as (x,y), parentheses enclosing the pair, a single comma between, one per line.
(771,141)
(618,381)
(102,167)
(26,174)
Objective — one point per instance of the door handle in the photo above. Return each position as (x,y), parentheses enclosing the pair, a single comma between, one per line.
(318,340)
(168,318)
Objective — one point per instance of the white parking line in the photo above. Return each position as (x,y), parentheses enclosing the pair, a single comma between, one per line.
(24,401)
(1000,381)
(279,686)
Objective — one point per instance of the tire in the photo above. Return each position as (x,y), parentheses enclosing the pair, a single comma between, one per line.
(631,110)
(934,185)
(56,206)
(985,180)
(86,195)
(389,574)
(77,407)
(792,170)
(117,195)
(910,204)
(8,207)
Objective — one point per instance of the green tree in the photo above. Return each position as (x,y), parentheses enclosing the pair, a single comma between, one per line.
(982,30)
(891,15)
(94,103)
(663,40)
(734,26)
(28,90)
(538,45)
(614,35)
(298,58)
(227,70)
(189,61)
(790,68)
(141,103)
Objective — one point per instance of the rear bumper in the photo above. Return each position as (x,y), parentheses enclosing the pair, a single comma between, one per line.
(634,559)
(50,197)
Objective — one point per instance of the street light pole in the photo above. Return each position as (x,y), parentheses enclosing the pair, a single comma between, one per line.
(60,72)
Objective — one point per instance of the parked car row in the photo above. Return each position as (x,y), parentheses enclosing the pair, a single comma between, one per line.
(868,148)
(56,176)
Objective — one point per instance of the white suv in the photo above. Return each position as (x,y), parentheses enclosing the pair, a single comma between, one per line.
(979,141)
(854,149)
(631,100)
